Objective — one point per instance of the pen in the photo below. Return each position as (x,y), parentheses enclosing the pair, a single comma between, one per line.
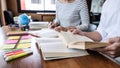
(34,35)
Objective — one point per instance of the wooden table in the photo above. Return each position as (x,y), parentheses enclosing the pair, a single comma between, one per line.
(94,60)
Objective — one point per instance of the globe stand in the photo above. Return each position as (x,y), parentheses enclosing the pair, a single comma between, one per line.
(25,27)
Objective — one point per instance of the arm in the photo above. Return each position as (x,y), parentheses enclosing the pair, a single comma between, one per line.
(84,15)
(55,22)
(93,35)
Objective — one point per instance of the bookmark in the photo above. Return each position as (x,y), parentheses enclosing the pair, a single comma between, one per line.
(13,37)
(11,41)
(26,37)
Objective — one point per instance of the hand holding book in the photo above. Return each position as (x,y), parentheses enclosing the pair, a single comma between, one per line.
(80,42)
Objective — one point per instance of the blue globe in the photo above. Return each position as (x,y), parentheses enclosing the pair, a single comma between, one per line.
(24,20)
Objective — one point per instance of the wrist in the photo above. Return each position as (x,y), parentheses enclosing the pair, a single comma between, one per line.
(83,33)
(65,29)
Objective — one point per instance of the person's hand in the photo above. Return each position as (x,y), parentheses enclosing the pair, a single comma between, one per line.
(53,25)
(76,31)
(60,28)
(112,50)
(71,28)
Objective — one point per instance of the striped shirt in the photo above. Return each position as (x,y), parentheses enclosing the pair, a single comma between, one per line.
(72,14)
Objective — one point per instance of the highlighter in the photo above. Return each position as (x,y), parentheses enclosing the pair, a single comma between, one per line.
(13,53)
(10,52)
(12,57)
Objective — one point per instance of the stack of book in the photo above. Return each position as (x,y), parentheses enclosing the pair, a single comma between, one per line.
(38,25)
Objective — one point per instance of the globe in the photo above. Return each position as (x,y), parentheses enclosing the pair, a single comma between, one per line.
(23,19)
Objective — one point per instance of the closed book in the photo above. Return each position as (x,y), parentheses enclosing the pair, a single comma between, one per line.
(16,33)
(38,25)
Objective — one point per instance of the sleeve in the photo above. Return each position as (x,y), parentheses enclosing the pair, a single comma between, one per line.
(102,32)
(56,20)
(100,28)
(84,15)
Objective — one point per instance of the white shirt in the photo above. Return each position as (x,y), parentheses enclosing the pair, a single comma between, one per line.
(110,20)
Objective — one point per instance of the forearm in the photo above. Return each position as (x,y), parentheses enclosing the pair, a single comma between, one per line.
(93,35)
(83,27)
(84,15)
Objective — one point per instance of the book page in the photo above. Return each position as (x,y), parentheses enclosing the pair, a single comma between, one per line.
(46,32)
(70,38)
(49,40)
(54,48)
(24,45)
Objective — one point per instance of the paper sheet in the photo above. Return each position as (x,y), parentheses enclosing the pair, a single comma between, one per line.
(26,37)
(11,41)
(24,45)
(46,32)
(8,46)
(25,41)
(13,37)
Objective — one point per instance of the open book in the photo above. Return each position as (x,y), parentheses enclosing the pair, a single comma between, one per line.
(45,32)
(54,48)
(79,42)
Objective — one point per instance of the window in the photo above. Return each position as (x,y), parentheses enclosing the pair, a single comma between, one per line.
(36,5)
(97,6)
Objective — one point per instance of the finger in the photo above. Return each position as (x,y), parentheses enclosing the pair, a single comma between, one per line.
(57,29)
(115,39)
(53,25)
(112,47)
(50,23)
(110,53)
(71,30)
(74,31)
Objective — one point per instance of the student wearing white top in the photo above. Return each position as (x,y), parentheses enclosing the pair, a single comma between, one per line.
(108,28)
(71,14)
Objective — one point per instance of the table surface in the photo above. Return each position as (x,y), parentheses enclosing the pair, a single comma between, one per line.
(35,60)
